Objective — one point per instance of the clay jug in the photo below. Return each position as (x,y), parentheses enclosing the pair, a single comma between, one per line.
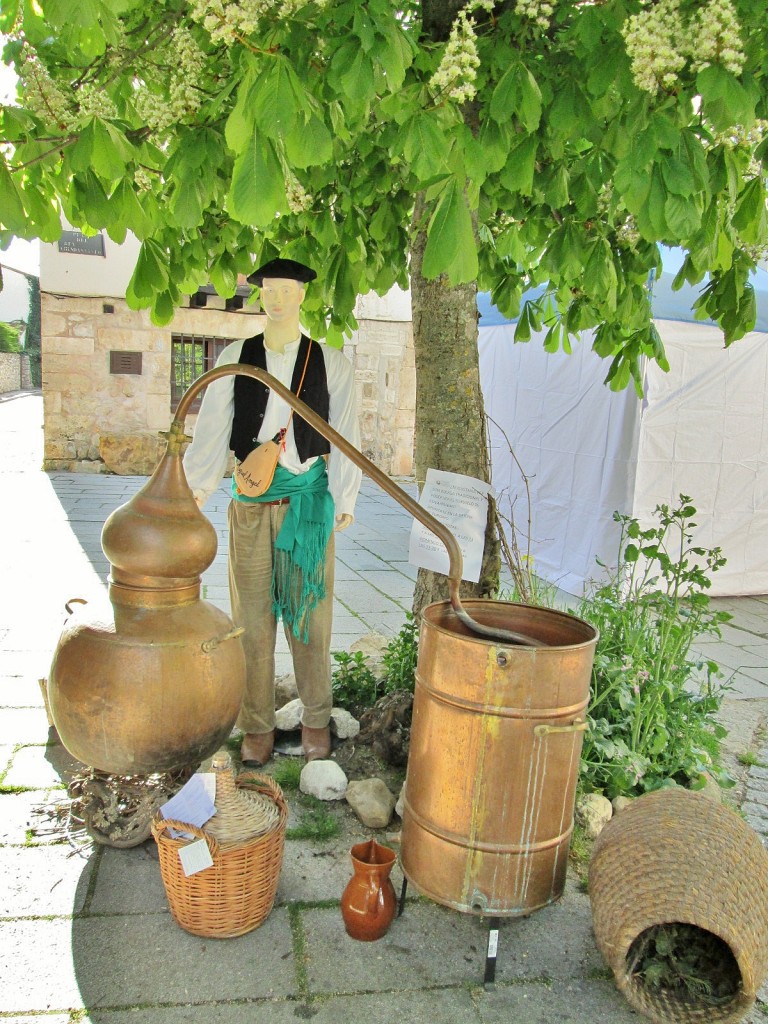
(368,902)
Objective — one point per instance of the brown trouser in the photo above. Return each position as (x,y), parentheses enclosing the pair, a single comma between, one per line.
(252,533)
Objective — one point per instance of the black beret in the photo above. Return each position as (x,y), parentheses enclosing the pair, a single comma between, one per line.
(290,269)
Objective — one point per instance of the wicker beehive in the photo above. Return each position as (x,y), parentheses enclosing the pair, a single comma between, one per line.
(675,858)
(246,837)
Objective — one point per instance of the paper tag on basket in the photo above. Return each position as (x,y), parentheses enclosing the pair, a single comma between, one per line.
(195,857)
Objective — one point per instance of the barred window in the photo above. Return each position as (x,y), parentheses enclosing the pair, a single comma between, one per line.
(191,355)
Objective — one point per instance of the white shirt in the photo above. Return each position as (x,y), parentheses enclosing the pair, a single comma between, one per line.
(205,460)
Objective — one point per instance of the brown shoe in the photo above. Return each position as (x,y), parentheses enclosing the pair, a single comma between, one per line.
(256,748)
(316,743)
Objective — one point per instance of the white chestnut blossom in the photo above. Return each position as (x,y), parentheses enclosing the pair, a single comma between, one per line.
(299,200)
(93,101)
(42,95)
(660,43)
(538,11)
(455,75)
(186,63)
(716,37)
(226,20)
(653,38)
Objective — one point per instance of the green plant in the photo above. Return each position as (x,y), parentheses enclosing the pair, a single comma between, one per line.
(316,822)
(287,772)
(400,657)
(686,961)
(750,759)
(652,707)
(9,338)
(353,683)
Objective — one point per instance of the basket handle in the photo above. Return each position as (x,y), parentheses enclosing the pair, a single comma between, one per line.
(264,784)
(161,825)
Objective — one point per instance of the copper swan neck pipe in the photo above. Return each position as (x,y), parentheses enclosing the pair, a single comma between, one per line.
(177,438)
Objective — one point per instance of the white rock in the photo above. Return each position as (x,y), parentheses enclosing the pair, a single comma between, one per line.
(400,802)
(593,811)
(371,801)
(343,724)
(620,802)
(323,779)
(288,717)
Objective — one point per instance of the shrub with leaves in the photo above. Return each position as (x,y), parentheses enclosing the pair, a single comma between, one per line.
(355,686)
(353,683)
(653,707)
(400,657)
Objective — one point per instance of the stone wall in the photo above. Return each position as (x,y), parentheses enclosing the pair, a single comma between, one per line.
(386,382)
(26,373)
(101,422)
(10,372)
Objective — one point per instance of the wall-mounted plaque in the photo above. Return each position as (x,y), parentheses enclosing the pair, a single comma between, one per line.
(82,245)
(125,362)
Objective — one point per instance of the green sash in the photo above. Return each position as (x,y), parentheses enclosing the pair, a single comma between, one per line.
(298,566)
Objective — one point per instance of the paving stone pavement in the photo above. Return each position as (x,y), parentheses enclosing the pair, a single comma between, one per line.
(85,930)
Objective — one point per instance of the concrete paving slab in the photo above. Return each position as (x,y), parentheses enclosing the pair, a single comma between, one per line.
(28,768)
(39,976)
(128,882)
(42,880)
(388,624)
(434,1006)
(394,585)
(427,946)
(750,613)
(27,817)
(143,959)
(47,1018)
(19,691)
(361,560)
(556,942)
(236,1011)
(573,1002)
(24,725)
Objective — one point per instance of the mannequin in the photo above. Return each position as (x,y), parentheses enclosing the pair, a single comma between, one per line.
(281,548)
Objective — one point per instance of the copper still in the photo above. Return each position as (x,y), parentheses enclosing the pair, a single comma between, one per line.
(153,681)
(150,680)
(496,739)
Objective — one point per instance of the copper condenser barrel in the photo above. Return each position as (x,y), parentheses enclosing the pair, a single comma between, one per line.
(494,758)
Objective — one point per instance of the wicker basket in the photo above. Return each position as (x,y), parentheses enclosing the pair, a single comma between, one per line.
(677,858)
(237,893)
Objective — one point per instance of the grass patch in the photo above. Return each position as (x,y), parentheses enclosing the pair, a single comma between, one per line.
(287,773)
(750,759)
(299,943)
(316,822)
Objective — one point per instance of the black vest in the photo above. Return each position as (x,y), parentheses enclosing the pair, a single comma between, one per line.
(251,400)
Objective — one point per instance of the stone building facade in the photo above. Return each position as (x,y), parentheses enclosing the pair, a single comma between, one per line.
(107,370)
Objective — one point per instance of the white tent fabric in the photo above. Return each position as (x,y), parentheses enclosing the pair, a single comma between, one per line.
(701,430)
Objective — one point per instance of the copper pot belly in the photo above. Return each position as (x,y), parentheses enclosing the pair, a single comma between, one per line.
(495,744)
(139,691)
(150,679)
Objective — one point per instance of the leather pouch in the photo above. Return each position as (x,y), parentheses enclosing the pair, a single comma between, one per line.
(253,476)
